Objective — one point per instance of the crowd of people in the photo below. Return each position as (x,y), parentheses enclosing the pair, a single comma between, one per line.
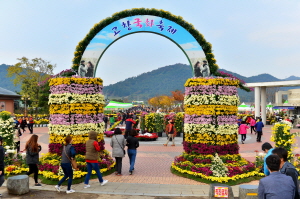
(256,126)
(278,170)
(276,166)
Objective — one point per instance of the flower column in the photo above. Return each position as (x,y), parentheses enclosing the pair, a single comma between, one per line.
(210,129)
(76,107)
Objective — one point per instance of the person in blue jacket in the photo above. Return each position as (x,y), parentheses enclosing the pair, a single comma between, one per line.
(258,127)
(267,148)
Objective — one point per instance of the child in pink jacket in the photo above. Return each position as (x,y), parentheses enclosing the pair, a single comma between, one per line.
(252,124)
(243,131)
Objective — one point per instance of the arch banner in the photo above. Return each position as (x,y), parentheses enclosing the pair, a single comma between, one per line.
(139,24)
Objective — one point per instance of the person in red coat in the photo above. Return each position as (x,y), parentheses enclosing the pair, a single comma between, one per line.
(171,132)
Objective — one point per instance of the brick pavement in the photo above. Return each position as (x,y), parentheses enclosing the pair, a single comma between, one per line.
(154,160)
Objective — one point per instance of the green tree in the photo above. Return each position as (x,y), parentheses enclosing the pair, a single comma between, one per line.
(28,73)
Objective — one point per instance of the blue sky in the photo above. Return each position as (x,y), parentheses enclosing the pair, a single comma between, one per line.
(247,37)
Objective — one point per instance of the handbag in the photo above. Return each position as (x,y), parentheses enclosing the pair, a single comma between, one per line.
(120,145)
(73,161)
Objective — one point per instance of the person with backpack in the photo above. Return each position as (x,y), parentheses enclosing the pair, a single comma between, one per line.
(91,157)
(287,168)
(171,132)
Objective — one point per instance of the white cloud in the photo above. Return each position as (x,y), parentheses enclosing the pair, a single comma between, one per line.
(97,45)
(279,36)
(107,36)
(112,37)
(190,45)
(101,37)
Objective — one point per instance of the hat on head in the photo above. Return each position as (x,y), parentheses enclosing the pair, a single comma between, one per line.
(82,61)
(204,61)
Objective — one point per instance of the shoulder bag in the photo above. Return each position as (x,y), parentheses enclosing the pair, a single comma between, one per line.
(73,161)
(120,145)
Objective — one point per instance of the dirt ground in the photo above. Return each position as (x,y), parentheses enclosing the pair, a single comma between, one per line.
(52,194)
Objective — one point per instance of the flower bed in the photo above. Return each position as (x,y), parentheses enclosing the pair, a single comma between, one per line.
(147,137)
(76,107)
(211,150)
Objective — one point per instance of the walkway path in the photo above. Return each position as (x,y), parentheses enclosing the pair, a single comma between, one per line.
(152,170)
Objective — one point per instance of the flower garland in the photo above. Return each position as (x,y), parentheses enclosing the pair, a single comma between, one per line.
(211,81)
(77,89)
(76,119)
(212,139)
(210,119)
(84,109)
(210,128)
(211,99)
(76,129)
(73,98)
(211,89)
(76,139)
(210,110)
(74,80)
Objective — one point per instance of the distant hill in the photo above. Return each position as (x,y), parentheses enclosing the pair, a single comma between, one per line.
(169,78)
(5,82)
(157,82)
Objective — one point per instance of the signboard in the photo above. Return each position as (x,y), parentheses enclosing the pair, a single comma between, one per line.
(221,192)
(138,24)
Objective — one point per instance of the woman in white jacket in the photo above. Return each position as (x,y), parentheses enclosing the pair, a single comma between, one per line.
(118,143)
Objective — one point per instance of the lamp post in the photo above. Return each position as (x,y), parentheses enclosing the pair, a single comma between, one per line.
(25,98)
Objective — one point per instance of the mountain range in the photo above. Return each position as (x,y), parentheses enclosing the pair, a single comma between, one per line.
(157,82)
(169,78)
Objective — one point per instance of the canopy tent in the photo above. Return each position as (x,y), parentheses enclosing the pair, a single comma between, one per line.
(116,105)
(244,107)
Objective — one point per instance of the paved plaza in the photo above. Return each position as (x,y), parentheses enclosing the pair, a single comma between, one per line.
(152,176)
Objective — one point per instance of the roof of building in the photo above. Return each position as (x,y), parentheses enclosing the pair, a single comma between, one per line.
(6,92)
(274,84)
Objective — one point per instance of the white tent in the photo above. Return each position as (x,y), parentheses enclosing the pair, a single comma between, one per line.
(117,105)
(244,107)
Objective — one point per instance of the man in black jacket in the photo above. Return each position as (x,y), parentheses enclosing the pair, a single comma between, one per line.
(287,168)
